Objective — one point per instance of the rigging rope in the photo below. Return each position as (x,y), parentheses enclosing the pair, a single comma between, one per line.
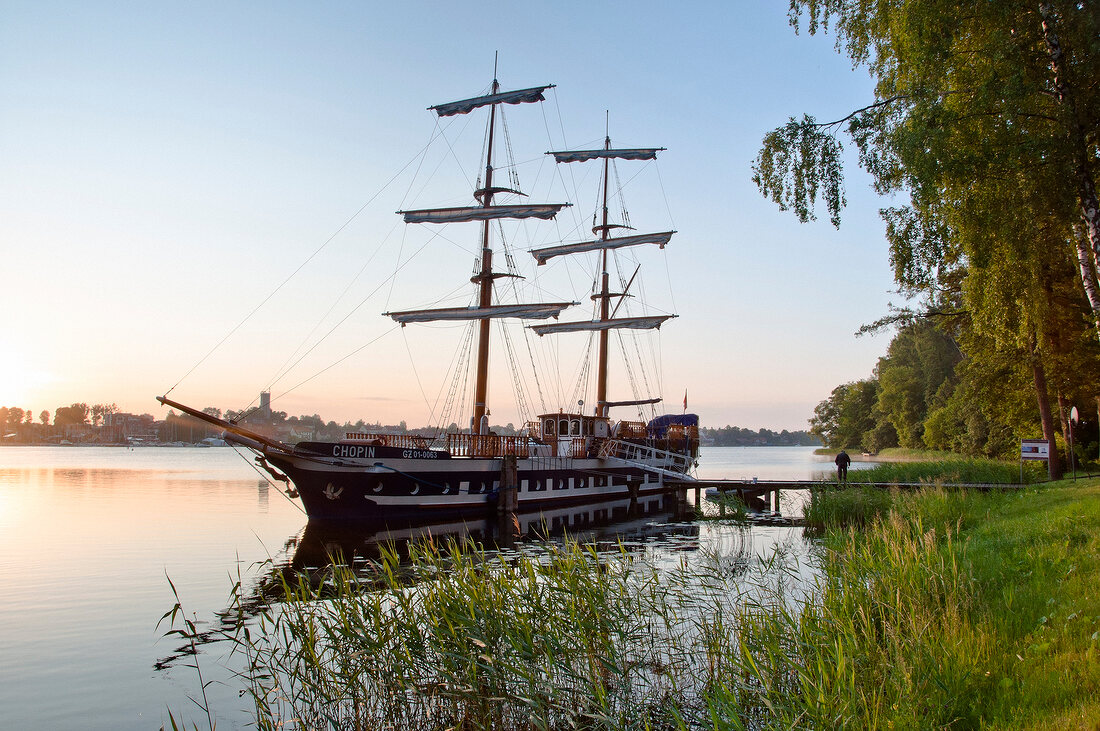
(301,266)
(668,273)
(412,365)
(267,479)
(280,372)
(337,325)
(326,368)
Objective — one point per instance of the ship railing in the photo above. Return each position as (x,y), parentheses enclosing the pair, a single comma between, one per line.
(492,445)
(401,441)
(576,448)
(645,455)
(630,430)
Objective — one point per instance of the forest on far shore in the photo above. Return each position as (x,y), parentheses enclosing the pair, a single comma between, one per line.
(733,436)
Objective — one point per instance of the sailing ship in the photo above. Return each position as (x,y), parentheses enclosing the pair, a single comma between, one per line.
(564,457)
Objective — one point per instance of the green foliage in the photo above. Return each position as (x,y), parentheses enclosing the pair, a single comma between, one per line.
(973,470)
(946,609)
(796,163)
(860,504)
(458,638)
(846,416)
(831,508)
(916,373)
(732,436)
(988,116)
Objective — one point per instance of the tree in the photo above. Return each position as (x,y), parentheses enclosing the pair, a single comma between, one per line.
(915,376)
(988,115)
(15,416)
(847,415)
(978,92)
(71,415)
(44,417)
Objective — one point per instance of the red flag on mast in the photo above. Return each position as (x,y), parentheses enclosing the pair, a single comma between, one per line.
(685,400)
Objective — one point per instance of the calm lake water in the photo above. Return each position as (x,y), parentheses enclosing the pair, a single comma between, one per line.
(89,535)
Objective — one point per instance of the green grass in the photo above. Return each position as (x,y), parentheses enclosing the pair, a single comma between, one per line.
(858,505)
(971,470)
(832,508)
(961,610)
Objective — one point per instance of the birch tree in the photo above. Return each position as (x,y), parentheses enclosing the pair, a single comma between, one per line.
(966,94)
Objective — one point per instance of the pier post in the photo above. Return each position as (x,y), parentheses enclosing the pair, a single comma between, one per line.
(509,485)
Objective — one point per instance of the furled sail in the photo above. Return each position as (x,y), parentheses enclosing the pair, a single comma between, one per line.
(642,153)
(539,311)
(631,323)
(519,96)
(638,402)
(544,211)
(549,252)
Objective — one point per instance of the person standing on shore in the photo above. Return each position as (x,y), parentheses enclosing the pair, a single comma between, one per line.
(842,461)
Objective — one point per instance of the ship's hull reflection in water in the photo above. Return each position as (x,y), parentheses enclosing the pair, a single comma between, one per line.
(607,525)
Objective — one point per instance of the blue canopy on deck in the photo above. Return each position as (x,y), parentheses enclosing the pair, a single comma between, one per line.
(658,428)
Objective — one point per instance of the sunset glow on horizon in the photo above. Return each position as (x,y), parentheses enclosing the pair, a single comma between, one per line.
(165,169)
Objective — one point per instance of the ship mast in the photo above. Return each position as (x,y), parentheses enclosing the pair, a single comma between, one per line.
(605,297)
(485,282)
(486,213)
(604,244)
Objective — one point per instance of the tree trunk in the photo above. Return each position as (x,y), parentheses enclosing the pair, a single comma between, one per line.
(1086,186)
(1088,271)
(1063,413)
(1054,465)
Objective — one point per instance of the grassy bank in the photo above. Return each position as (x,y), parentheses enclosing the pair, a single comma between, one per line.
(945,609)
(953,609)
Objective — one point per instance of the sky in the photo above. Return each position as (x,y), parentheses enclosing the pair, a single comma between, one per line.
(168,171)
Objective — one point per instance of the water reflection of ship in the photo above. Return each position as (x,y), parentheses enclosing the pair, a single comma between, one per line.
(605,524)
(653,522)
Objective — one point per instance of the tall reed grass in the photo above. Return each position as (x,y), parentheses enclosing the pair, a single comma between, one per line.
(459,638)
(950,609)
(859,504)
(949,471)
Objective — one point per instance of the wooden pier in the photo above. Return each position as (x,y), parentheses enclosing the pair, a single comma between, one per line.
(775,485)
(768,491)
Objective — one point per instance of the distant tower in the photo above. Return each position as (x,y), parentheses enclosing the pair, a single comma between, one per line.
(265,404)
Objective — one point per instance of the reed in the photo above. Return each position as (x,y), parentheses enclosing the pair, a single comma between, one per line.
(945,608)
(947,471)
(955,609)
(831,508)
(859,504)
(472,640)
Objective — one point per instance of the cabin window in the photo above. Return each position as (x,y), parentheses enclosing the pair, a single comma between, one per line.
(563,427)
(549,427)
(575,427)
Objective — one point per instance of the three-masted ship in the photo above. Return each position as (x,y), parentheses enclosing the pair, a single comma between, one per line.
(561,458)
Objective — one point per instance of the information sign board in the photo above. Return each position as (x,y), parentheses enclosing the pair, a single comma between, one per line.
(1035,449)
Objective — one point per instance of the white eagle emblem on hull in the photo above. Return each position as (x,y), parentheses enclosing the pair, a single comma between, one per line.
(331,492)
